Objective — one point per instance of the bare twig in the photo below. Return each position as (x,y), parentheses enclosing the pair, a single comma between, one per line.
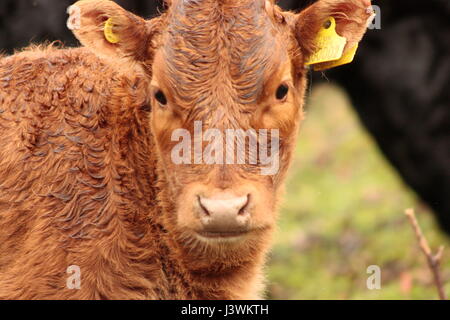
(433,260)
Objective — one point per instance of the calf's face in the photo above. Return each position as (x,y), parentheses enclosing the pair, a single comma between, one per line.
(226,106)
(227,80)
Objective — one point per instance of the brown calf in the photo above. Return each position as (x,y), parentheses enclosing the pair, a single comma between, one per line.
(88,176)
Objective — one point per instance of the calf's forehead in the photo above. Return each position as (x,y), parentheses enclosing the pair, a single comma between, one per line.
(220,50)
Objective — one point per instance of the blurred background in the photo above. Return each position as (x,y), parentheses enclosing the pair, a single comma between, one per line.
(376,140)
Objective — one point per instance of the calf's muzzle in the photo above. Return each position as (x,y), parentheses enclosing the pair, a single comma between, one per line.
(224,215)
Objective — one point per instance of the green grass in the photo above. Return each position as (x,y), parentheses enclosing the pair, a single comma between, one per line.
(343,211)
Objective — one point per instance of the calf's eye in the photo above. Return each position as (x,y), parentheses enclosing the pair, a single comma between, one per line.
(282,92)
(161,97)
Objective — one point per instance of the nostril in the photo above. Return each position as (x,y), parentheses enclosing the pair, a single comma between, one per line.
(202,207)
(244,210)
(223,206)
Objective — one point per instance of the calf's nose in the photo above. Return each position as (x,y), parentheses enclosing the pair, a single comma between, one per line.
(223,213)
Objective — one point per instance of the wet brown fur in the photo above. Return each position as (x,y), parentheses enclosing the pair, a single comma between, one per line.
(84,176)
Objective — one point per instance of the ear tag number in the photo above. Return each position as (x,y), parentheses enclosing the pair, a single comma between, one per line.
(346,58)
(109,33)
(330,45)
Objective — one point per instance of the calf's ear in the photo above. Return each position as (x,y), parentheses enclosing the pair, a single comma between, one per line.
(109,30)
(349,19)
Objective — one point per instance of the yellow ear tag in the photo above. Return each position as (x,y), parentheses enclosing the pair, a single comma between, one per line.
(330,45)
(346,58)
(109,33)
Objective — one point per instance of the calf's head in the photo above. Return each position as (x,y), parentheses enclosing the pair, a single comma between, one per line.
(226,86)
